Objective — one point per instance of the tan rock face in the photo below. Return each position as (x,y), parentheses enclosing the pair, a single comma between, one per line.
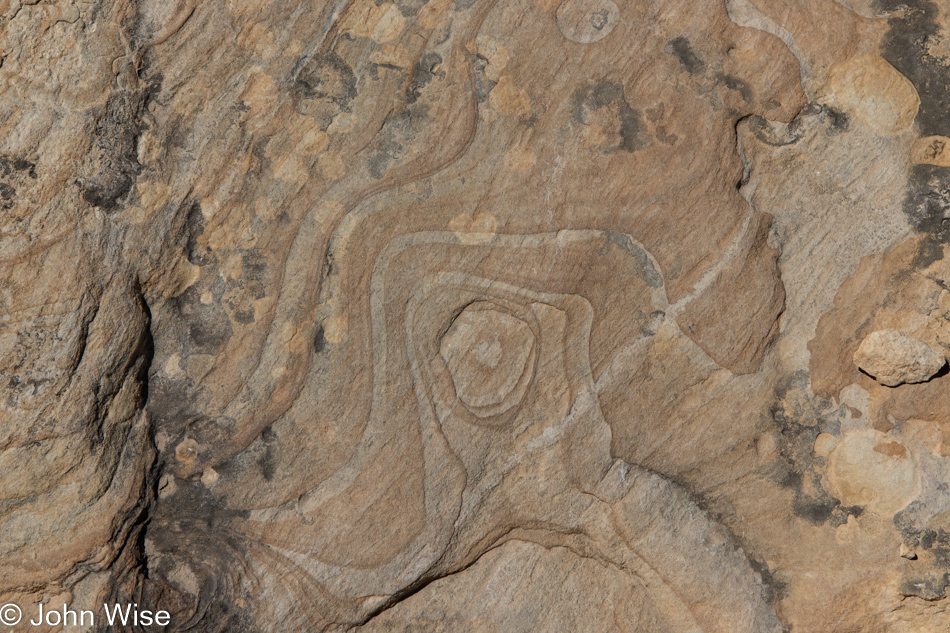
(893,358)
(477,316)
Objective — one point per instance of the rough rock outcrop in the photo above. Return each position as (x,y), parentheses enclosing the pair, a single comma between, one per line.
(460,315)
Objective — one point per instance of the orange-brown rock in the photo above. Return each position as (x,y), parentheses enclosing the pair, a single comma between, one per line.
(893,358)
(437,315)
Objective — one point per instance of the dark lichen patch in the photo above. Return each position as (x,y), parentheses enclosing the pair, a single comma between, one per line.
(112,164)
(190,530)
(206,326)
(319,340)
(594,97)
(823,510)
(244,317)
(424,71)
(374,69)
(928,578)
(799,417)
(483,85)
(253,265)
(933,587)
(7,194)
(929,251)
(323,86)
(10,167)
(682,50)
(922,538)
(171,400)
(195,226)
(927,204)
(838,121)
(776,589)
(813,115)
(269,459)
(399,131)
(209,336)
(736,84)
(327,76)
(774,133)
(630,129)
(911,30)
(606,102)
(410,8)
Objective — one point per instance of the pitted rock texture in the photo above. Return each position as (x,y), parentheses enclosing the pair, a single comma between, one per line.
(893,358)
(461,315)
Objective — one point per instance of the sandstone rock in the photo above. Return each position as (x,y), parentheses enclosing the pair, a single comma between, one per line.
(476,316)
(893,358)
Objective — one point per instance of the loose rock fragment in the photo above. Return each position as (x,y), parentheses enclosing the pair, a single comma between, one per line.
(893,358)
(908,553)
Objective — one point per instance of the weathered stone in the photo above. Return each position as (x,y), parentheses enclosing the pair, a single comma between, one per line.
(462,315)
(893,358)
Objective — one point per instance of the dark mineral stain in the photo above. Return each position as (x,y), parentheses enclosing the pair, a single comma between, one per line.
(719,509)
(422,73)
(6,192)
(648,271)
(681,49)
(630,128)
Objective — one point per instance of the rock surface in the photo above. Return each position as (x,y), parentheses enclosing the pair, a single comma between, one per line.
(893,358)
(456,315)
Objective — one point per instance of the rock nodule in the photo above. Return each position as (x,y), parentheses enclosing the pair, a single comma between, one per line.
(893,358)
